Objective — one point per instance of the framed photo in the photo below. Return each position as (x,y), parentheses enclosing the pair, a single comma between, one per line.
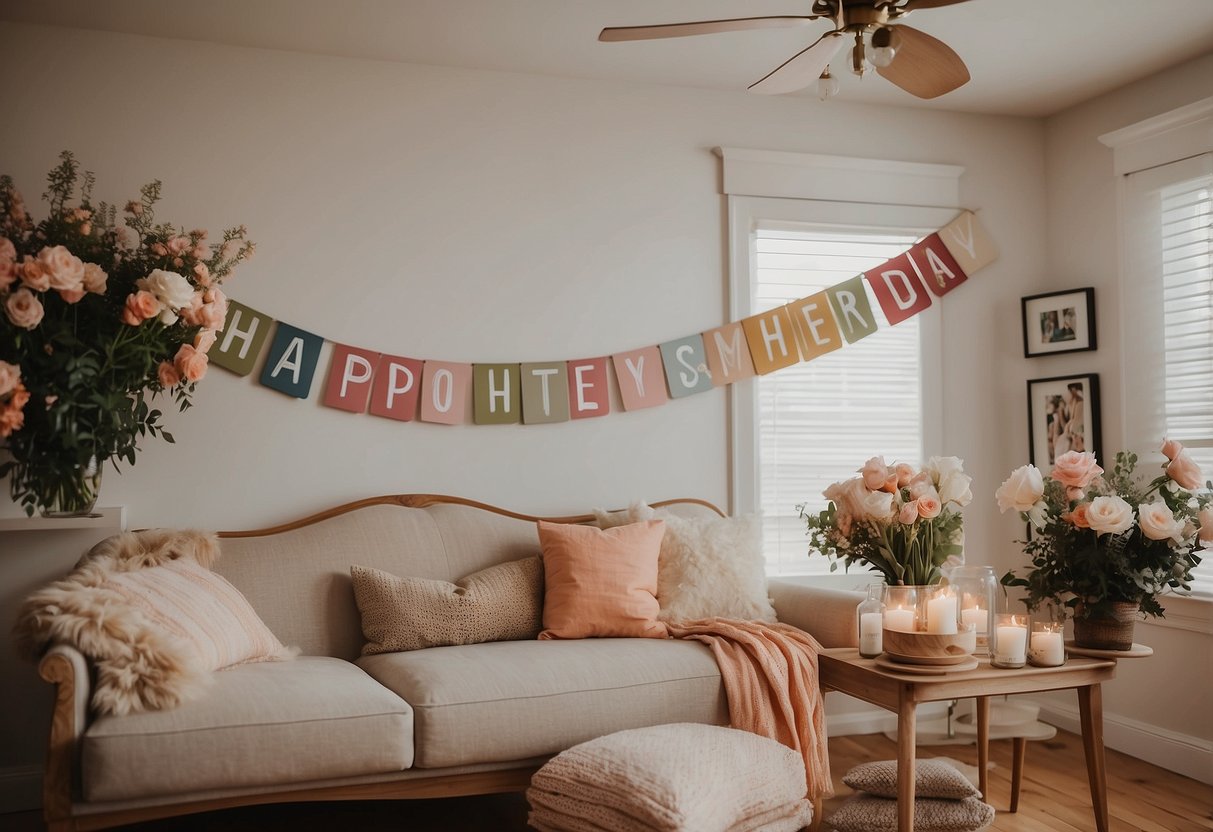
(1063,415)
(1059,322)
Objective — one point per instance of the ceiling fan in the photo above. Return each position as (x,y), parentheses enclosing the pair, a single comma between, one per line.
(913,60)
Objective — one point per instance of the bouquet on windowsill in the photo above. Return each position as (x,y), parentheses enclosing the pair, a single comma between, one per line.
(897,521)
(97,320)
(1099,540)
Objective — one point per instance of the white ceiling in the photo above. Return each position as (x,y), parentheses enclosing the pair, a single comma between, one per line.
(1027,57)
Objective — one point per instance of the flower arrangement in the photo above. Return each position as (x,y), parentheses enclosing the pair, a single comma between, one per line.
(897,521)
(97,319)
(1103,539)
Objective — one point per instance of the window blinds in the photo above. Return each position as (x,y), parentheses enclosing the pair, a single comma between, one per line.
(818,421)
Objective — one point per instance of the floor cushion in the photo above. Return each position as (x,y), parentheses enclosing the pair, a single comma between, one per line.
(257,725)
(672,778)
(863,812)
(509,700)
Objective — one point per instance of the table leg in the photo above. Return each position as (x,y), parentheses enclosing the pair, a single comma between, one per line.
(1090,710)
(983,746)
(1021,751)
(906,737)
(815,825)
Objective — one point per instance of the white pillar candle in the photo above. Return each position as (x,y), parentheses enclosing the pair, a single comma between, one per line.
(976,617)
(941,614)
(870,634)
(1047,649)
(1012,644)
(899,619)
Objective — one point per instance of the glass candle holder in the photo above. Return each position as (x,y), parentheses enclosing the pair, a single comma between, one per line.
(941,609)
(900,608)
(976,588)
(1046,649)
(1009,640)
(870,620)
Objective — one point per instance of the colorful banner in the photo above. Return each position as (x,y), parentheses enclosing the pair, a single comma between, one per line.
(440,392)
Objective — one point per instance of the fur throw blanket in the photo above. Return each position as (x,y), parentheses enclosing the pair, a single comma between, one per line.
(145,648)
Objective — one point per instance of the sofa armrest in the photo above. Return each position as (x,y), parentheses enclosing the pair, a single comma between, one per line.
(828,615)
(68,670)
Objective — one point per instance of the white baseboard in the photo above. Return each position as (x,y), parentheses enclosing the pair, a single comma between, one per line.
(20,789)
(1180,753)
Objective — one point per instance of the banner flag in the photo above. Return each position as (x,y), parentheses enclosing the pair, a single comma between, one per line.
(772,339)
(816,331)
(238,346)
(898,289)
(641,378)
(969,243)
(291,361)
(445,389)
(852,312)
(349,382)
(396,388)
(545,393)
(686,366)
(496,396)
(589,395)
(936,266)
(728,354)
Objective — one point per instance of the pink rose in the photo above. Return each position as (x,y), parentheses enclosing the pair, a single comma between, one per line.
(10,377)
(904,472)
(177,245)
(33,276)
(192,312)
(1171,448)
(1076,469)
(23,309)
(202,274)
(168,375)
(929,506)
(139,307)
(190,363)
(64,270)
(204,340)
(1078,516)
(908,513)
(921,483)
(1184,470)
(876,474)
(8,273)
(12,416)
(1206,524)
(95,279)
(159,250)
(72,295)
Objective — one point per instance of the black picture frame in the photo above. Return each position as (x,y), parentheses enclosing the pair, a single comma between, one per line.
(1055,323)
(1056,424)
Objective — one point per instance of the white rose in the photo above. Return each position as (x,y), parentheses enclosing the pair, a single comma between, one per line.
(1022,490)
(940,467)
(878,505)
(954,488)
(170,288)
(1158,522)
(1110,515)
(921,485)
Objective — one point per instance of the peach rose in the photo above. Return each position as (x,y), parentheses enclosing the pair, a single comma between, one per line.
(875,473)
(159,250)
(847,496)
(1110,515)
(1171,448)
(1076,469)
(1206,524)
(202,274)
(921,483)
(11,420)
(929,506)
(139,307)
(64,270)
(1184,470)
(72,295)
(190,363)
(10,377)
(1078,516)
(204,340)
(33,276)
(23,309)
(95,279)
(1158,522)
(168,375)
(7,250)
(908,513)
(8,273)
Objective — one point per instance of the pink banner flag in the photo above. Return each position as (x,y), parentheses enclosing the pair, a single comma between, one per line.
(446,390)
(641,378)
(397,388)
(589,395)
(349,382)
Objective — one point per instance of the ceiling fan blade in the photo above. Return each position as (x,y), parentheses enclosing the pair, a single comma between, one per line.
(924,65)
(702,27)
(801,69)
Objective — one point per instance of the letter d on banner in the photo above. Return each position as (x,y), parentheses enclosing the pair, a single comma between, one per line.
(898,289)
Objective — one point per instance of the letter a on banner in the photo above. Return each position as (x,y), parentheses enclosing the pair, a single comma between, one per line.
(898,289)
(589,395)
(936,266)
(397,388)
(641,378)
(349,382)
(291,361)
(244,332)
(445,389)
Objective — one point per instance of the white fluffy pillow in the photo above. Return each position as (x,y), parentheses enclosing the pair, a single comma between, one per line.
(709,567)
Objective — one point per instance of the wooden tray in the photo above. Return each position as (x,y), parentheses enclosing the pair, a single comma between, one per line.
(923,669)
(1137,651)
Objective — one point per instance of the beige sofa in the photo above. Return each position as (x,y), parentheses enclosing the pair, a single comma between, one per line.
(332,725)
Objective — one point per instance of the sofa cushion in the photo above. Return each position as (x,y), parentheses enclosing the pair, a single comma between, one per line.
(509,700)
(258,725)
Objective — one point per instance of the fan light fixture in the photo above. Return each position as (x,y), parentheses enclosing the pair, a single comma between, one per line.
(827,85)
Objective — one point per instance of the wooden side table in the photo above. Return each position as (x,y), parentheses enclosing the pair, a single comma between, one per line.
(843,670)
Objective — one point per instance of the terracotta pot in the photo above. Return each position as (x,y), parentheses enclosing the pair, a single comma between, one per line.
(1114,632)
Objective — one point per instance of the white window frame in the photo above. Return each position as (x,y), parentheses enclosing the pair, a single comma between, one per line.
(773,187)
(1171,137)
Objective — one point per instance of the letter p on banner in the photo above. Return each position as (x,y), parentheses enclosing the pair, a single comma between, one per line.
(349,382)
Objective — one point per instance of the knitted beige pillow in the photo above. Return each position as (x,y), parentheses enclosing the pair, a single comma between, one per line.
(501,603)
(866,813)
(932,778)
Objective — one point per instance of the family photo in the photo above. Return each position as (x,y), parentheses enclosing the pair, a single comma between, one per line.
(1058,325)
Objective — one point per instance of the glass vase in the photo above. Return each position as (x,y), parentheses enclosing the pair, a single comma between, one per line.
(74,493)
(901,608)
(869,616)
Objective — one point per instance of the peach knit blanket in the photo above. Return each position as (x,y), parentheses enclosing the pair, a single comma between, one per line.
(770,676)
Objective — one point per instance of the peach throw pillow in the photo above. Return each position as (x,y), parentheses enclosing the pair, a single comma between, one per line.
(601,582)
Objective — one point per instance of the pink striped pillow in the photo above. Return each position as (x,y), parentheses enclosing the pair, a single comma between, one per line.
(200,610)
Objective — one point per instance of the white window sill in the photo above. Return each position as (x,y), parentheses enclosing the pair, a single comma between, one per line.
(1186,612)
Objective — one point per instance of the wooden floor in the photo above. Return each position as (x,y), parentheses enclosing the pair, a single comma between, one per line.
(1055,798)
